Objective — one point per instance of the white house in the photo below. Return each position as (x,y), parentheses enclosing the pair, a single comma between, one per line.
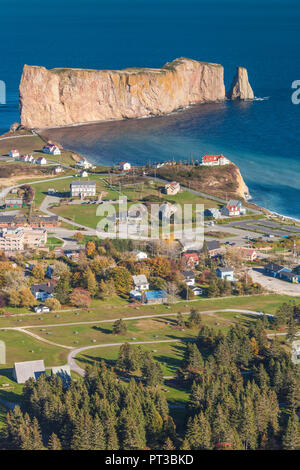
(58,169)
(189,278)
(140,282)
(83,188)
(83,164)
(51,149)
(14,153)
(139,255)
(233,208)
(84,174)
(214,160)
(225,273)
(125,166)
(41,161)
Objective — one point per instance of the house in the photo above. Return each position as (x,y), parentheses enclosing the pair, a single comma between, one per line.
(58,169)
(213,248)
(41,161)
(135,294)
(23,371)
(83,188)
(41,309)
(171,188)
(226,273)
(249,254)
(83,164)
(212,212)
(51,191)
(140,282)
(51,149)
(296,353)
(28,158)
(273,269)
(233,208)
(189,277)
(42,291)
(190,259)
(214,160)
(49,271)
(230,210)
(14,153)
(84,174)
(155,297)
(288,275)
(125,166)
(64,373)
(14,202)
(139,255)
(197,290)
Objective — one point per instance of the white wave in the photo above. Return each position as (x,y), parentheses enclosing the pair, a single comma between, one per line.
(261,99)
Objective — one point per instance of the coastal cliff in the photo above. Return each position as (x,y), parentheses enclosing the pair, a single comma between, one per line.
(223,181)
(240,88)
(61,97)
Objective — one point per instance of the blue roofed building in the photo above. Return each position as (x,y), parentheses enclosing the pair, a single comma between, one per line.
(155,297)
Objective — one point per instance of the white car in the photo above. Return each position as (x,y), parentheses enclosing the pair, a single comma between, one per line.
(41,309)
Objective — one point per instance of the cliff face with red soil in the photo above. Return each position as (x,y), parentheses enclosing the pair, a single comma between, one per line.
(62,97)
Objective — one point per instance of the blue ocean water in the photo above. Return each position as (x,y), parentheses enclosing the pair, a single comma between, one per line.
(261,137)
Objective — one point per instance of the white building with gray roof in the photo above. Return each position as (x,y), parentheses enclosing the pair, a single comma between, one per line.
(30,369)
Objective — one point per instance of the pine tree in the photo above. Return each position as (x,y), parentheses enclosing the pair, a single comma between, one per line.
(54,443)
(97,435)
(291,438)
(198,434)
(168,444)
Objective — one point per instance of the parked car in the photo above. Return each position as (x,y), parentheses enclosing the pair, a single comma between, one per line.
(41,309)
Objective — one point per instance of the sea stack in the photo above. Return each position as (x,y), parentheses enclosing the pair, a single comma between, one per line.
(240,88)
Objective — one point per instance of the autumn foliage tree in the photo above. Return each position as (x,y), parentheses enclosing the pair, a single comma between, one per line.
(80,297)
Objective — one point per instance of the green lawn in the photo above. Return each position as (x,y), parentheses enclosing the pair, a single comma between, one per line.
(21,347)
(156,329)
(83,215)
(110,309)
(53,242)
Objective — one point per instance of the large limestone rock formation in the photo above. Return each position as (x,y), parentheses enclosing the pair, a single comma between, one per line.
(59,97)
(240,87)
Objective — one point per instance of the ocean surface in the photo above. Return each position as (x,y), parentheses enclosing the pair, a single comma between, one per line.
(261,137)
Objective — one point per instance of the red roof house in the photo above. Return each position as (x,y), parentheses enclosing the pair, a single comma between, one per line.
(211,160)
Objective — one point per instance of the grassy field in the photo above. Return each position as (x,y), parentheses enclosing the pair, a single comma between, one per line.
(53,242)
(155,329)
(34,145)
(88,216)
(111,309)
(21,347)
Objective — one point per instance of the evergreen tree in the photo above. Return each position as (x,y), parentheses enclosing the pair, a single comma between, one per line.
(291,438)
(54,443)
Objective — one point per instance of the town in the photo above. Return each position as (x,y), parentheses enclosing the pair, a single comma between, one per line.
(153,309)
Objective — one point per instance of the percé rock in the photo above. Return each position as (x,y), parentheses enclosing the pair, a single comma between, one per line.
(61,97)
(240,88)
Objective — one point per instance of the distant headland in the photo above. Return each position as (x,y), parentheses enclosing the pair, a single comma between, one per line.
(64,96)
